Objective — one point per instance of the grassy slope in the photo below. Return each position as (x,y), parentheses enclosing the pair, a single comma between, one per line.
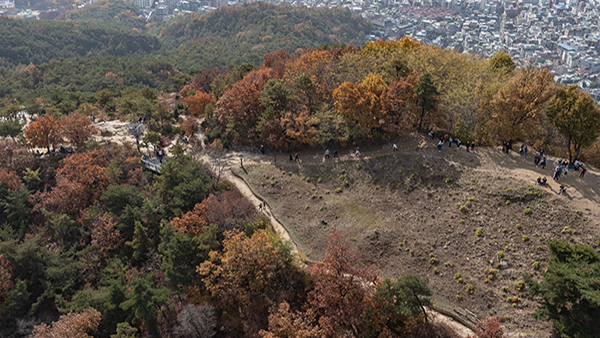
(404,198)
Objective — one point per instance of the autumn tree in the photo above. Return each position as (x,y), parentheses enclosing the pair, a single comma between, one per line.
(76,129)
(276,61)
(44,132)
(250,274)
(502,64)
(190,127)
(362,102)
(399,104)
(575,115)
(105,234)
(76,325)
(427,97)
(341,286)
(240,108)
(488,329)
(203,80)
(196,320)
(520,102)
(286,323)
(79,181)
(196,100)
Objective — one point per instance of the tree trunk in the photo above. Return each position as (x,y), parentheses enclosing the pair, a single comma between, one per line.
(421,119)
(577,149)
(421,305)
(570,156)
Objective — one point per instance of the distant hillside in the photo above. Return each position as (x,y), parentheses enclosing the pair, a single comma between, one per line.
(117,13)
(245,33)
(24,42)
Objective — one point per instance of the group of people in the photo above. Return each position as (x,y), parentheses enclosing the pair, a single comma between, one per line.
(458,142)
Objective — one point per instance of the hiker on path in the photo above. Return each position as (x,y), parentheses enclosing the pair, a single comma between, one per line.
(430,134)
(291,158)
(450,142)
(583,170)
(525,150)
(566,170)
(544,161)
(357,152)
(457,143)
(439,146)
(260,206)
(296,158)
(472,147)
(335,155)
(262,149)
(541,151)
(504,147)
(555,176)
(467,145)
(521,150)
(560,161)
(446,138)
(394,147)
(536,161)
(327,153)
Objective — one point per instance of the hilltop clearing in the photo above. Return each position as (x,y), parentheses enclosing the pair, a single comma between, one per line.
(471,223)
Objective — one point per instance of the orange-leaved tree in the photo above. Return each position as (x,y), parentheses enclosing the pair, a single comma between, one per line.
(342,285)
(75,325)
(251,274)
(284,322)
(399,104)
(520,102)
(196,100)
(276,61)
(362,102)
(76,129)
(490,329)
(240,108)
(44,132)
(80,181)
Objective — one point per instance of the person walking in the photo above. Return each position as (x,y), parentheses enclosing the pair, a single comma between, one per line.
(467,145)
(544,161)
(457,143)
(536,161)
(357,152)
(327,153)
(583,170)
(472,147)
(296,158)
(525,150)
(335,155)
(291,158)
(439,146)
(394,147)
(262,149)
(541,151)
(504,147)
(260,206)
(450,142)
(566,170)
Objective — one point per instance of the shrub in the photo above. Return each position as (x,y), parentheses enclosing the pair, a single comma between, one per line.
(343,171)
(500,254)
(326,192)
(321,209)
(436,270)
(462,221)
(566,230)
(319,180)
(449,264)
(470,289)
(449,180)
(479,232)
(519,285)
(463,209)
(346,183)
(525,238)
(457,275)
(535,265)
(358,166)
(341,177)
(519,226)
(507,202)
(338,190)
(308,179)
(528,211)
(272,184)
(433,260)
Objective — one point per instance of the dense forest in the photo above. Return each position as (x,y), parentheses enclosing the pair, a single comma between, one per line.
(39,41)
(90,242)
(119,14)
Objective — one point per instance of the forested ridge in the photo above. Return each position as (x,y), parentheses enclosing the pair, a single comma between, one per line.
(90,243)
(39,41)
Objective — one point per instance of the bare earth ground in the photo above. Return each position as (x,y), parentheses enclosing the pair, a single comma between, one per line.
(404,217)
(402,212)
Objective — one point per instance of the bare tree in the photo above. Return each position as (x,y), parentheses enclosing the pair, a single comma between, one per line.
(196,321)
